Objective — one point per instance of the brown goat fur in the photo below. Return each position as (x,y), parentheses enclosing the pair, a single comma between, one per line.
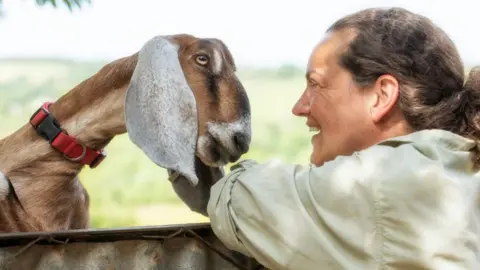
(51,195)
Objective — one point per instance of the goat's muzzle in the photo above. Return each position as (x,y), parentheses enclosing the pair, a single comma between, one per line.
(224,142)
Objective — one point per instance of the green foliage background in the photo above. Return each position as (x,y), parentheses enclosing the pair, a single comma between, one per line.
(128,189)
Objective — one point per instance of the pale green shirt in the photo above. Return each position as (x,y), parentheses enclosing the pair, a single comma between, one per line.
(406,203)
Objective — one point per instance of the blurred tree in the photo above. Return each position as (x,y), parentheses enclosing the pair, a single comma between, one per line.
(69,3)
(289,71)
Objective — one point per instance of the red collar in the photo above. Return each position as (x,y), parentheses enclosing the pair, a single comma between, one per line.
(47,127)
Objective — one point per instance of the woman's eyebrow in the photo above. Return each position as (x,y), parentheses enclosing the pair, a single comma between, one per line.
(307,75)
(318,72)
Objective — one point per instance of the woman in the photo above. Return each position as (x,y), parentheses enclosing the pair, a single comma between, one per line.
(392,182)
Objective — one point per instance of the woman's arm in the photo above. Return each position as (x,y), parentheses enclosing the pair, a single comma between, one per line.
(395,205)
(296,217)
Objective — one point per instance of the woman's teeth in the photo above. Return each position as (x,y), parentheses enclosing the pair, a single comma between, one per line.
(314,129)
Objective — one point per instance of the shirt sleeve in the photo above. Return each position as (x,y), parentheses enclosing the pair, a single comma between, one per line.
(395,205)
(291,216)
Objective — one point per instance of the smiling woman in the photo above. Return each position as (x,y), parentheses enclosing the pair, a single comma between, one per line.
(392,181)
(335,105)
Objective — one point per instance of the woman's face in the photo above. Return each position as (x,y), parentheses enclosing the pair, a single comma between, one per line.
(336,110)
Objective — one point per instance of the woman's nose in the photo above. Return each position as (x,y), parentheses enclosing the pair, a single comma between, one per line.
(302,106)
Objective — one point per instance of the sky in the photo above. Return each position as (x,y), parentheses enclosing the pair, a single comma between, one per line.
(259,33)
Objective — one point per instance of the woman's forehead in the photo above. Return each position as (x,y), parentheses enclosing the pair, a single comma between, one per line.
(324,56)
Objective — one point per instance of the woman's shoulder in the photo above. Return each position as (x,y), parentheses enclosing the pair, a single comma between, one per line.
(424,189)
(422,150)
(425,161)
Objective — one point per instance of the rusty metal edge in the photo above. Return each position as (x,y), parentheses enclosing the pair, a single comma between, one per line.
(104,235)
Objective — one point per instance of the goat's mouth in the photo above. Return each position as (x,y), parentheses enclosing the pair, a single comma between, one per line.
(219,146)
(213,153)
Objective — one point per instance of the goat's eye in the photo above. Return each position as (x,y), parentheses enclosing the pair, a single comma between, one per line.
(202,60)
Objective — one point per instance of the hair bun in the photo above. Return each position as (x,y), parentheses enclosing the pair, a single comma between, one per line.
(472,84)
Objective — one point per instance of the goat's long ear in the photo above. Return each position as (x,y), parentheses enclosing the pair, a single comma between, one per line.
(160,109)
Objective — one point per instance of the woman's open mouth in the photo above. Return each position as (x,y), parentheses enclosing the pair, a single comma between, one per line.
(317,132)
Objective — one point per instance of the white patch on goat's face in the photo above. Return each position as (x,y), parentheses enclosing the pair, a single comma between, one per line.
(217,62)
(203,145)
(223,132)
(4,187)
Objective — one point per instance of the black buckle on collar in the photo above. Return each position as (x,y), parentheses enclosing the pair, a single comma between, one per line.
(49,128)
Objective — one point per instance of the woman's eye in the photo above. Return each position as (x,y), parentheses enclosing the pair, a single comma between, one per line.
(312,84)
(202,60)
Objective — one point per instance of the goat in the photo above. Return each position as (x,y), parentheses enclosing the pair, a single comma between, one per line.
(178,99)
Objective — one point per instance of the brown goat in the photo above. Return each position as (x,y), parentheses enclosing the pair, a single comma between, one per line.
(178,99)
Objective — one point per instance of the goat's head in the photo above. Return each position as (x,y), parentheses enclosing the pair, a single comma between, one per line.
(184,100)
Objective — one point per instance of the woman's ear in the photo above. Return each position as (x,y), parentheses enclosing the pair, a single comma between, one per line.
(383,97)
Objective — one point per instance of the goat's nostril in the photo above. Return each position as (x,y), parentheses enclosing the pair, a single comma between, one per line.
(241,141)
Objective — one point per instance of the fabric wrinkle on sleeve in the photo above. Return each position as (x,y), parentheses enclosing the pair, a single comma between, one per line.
(290,216)
(220,213)
(378,208)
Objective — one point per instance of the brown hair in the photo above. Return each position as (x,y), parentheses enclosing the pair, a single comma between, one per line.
(425,62)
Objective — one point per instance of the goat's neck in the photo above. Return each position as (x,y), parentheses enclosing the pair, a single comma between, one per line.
(43,179)
(92,112)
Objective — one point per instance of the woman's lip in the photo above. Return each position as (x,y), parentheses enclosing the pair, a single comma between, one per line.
(311,123)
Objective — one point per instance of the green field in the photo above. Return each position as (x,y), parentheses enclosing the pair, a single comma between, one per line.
(128,189)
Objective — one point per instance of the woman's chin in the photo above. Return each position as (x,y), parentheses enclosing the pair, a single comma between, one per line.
(316,138)
(316,155)
(315,159)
